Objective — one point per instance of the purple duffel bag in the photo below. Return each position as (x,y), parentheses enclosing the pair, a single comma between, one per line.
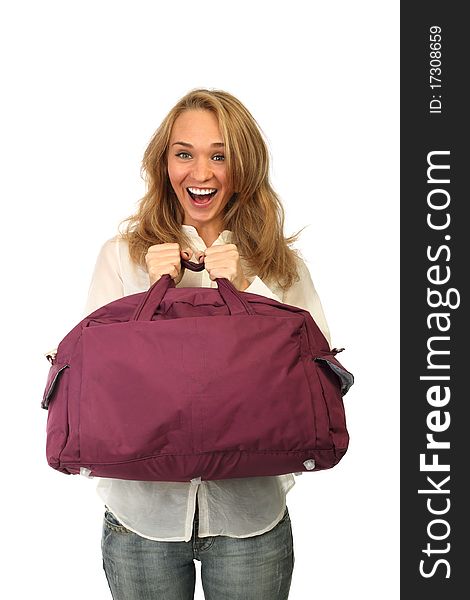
(174,384)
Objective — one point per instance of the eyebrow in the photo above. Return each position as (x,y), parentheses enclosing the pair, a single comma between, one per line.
(188,145)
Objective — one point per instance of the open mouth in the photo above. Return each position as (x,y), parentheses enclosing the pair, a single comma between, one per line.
(202,195)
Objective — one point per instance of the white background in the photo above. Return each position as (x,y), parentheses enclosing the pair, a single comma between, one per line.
(85,84)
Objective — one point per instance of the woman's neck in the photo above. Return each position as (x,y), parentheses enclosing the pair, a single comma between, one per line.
(208,234)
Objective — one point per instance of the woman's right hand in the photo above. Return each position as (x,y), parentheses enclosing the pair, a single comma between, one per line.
(165,259)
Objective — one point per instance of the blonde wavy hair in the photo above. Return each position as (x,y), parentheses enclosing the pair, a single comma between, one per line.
(254,214)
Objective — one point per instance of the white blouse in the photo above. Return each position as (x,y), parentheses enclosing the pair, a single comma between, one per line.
(164,511)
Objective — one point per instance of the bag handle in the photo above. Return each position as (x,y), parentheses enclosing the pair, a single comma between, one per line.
(232,298)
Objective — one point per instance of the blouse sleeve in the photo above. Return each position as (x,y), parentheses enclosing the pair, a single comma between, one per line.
(301,294)
(304,295)
(106,283)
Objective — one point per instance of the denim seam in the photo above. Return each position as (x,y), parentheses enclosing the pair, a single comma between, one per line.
(113,526)
(119,529)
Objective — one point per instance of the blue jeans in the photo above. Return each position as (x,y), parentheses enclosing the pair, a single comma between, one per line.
(253,568)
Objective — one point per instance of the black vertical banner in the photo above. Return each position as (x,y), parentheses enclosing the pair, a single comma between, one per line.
(434,261)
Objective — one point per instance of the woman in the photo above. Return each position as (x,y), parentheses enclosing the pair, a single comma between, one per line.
(208,198)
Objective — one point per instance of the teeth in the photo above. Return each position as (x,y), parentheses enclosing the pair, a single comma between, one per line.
(201,192)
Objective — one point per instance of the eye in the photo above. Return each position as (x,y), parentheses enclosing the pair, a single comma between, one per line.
(218,157)
(183,155)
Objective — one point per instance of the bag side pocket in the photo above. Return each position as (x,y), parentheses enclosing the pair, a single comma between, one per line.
(55,373)
(335,382)
(55,401)
(346,378)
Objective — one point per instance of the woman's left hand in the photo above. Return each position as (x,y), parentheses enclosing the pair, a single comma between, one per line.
(224,261)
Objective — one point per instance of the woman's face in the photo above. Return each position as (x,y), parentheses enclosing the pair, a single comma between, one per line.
(197,169)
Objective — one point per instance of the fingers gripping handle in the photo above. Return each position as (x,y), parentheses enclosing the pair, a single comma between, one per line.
(187,264)
(233,299)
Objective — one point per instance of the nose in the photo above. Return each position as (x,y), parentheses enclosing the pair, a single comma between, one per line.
(201,170)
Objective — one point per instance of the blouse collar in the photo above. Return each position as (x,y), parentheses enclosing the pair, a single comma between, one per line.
(225,236)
